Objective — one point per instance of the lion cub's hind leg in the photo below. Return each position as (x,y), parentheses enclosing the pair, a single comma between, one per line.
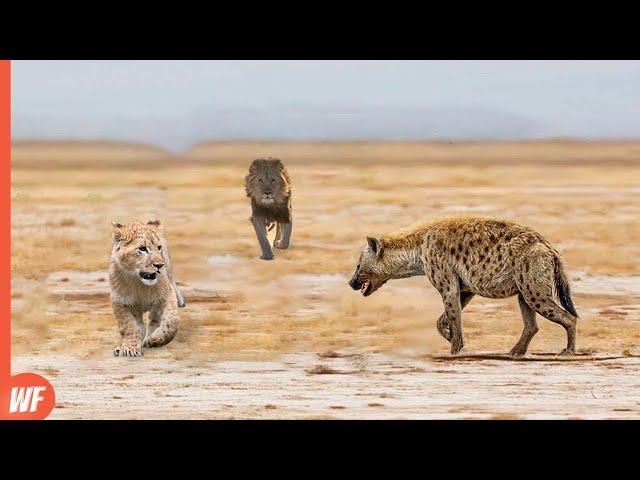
(163,323)
(131,329)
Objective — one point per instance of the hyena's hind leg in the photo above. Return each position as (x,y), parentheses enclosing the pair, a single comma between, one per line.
(443,322)
(535,280)
(530,328)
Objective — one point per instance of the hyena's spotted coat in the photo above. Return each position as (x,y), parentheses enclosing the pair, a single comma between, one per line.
(467,256)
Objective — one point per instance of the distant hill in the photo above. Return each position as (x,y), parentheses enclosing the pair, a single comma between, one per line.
(84,152)
(411,151)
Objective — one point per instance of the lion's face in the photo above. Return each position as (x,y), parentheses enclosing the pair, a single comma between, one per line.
(267,182)
(137,250)
(370,272)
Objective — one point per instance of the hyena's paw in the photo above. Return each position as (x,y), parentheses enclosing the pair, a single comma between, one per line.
(567,352)
(127,351)
(517,352)
(456,345)
(266,256)
(444,330)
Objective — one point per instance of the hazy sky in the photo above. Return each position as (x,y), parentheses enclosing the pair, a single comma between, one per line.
(175,103)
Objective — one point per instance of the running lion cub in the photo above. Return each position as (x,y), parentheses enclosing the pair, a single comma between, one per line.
(141,279)
(467,256)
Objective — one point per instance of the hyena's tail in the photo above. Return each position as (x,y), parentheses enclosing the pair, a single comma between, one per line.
(562,287)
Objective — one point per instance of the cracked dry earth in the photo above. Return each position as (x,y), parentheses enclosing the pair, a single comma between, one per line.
(306,385)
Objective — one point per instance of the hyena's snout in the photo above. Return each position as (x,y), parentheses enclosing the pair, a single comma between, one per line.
(355,282)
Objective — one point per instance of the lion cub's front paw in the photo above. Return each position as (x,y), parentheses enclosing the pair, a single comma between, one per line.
(127,351)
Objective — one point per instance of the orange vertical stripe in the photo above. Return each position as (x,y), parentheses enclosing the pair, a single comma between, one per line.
(5,218)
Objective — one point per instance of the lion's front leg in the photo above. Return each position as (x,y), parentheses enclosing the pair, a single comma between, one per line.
(260,226)
(283,235)
(131,330)
(163,323)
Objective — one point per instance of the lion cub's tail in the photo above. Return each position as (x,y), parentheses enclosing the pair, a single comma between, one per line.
(179,297)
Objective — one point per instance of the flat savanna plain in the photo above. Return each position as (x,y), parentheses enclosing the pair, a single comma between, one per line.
(288,338)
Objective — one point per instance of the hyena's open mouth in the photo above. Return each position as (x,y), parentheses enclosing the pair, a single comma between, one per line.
(365,289)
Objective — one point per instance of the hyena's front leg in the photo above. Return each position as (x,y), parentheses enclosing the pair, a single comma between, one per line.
(131,330)
(260,226)
(449,287)
(283,235)
(443,322)
(163,323)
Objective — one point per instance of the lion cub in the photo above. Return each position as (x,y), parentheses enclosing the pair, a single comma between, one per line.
(269,187)
(141,279)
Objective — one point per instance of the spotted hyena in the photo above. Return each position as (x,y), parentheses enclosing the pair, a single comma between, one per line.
(467,256)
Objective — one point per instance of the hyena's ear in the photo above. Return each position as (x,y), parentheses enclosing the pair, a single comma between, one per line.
(155,224)
(376,246)
(117,231)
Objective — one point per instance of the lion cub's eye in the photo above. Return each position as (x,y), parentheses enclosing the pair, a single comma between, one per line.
(159,247)
(143,249)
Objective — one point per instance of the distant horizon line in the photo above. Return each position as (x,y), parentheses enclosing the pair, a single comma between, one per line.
(435,140)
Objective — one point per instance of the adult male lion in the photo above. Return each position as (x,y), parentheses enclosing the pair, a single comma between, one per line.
(141,279)
(269,187)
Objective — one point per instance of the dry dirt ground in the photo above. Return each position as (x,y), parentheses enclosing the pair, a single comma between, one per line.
(288,338)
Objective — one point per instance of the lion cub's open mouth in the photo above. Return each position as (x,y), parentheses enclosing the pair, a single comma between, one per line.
(148,278)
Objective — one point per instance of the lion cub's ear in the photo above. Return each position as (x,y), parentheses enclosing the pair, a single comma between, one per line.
(117,231)
(155,224)
(376,246)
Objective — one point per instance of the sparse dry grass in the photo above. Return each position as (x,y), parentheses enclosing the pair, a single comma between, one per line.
(583,197)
